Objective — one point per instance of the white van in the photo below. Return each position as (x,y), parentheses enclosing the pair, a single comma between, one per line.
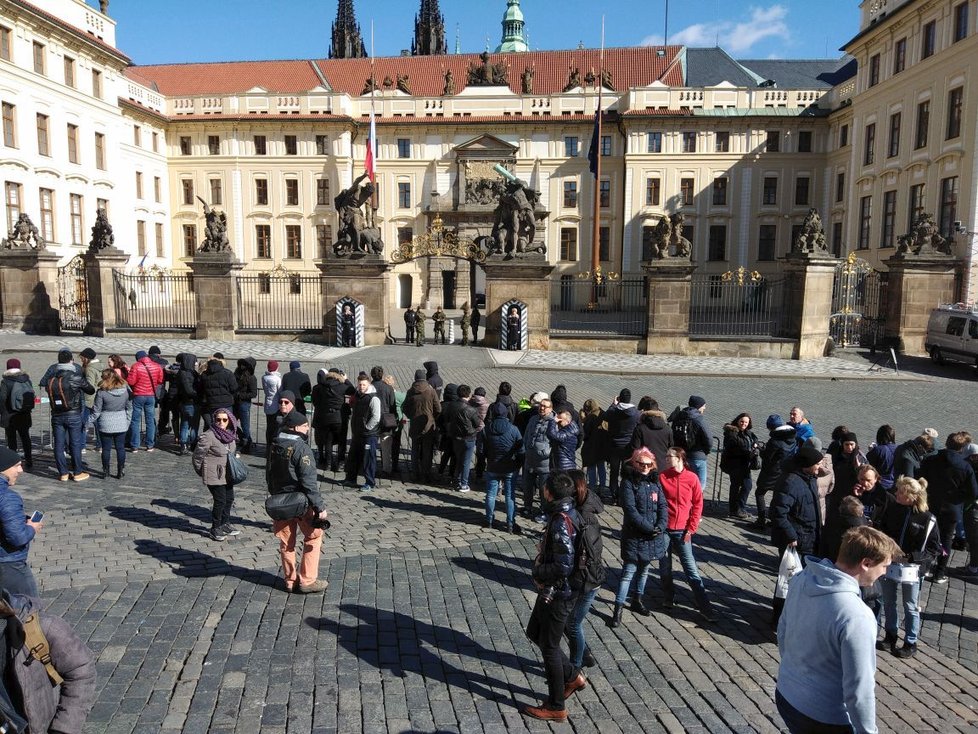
(952,333)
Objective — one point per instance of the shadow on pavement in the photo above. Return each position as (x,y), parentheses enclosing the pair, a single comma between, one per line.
(157,520)
(194,564)
(203,514)
(399,643)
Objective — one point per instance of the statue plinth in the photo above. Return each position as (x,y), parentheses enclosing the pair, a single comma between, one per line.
(29,283)
(99,266)
(214,289)
(364,279)
(916,283)
(670,292)
(526,280)
(809,279)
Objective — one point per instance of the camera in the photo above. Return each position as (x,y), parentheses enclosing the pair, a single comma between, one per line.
(321,524)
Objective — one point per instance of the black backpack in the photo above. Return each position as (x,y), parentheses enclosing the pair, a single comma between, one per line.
(589,568)
(683,431)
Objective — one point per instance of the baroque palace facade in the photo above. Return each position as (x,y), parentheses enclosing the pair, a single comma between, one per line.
(743,148)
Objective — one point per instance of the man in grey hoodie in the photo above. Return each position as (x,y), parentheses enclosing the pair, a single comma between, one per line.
(827,639)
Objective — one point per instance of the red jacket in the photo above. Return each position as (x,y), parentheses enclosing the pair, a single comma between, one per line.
(144,376)
(684,497)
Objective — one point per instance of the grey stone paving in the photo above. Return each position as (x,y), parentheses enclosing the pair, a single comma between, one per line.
(421,627)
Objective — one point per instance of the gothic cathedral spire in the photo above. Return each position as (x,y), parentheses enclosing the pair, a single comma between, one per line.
(347,42)
(429,31)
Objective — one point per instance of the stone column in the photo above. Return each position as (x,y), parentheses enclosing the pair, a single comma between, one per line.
(29,287)
(917,284)
(670,286)
(214,290)
(808,302)
(99,266)
(365,279)
(527,281)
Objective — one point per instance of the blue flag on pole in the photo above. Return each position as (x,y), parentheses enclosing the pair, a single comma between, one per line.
(593,151)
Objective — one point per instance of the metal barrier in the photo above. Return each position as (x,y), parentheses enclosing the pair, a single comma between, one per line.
(620,308)
(154,300)
(736,304)
(279,302)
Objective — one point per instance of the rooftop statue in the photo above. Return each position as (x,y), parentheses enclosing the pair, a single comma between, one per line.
(449,83)
(527,80)
(573,79)
(487,75)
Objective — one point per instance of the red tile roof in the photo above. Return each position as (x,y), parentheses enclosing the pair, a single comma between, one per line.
(231,77)
(636,66)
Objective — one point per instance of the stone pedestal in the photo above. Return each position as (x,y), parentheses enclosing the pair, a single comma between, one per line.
(29,288)
(808,302)
(917,284)
(215,293)
(524,280)
(668,306)
(101,288)
(364,279)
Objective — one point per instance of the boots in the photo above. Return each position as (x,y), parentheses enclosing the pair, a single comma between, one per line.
(616,617)
(639,608)
(889,642)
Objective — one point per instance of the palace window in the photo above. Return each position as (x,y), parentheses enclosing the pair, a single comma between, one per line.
(568,244)
(263,241)
(654,143)
(403,148)
(869,155)
(322,145)
(689,142)
(769,195)
(720,191)
(291,145)
(718,242)
(187,186)
(261,191)
(292,192)
(960,22)
(874,70)
(47,214)
(43,144)
(949,205)
(686,193)
(805,141)
(929,46)
(261,145)
(293,241)
(216,191)
(72,143)
(888,231)
(571,146)
(767,238)
(185,147)
(100,151)
(403,195)
(653,191)
(214,144)
(722,142)
(38,49)
(69,71)
(923,125)
(324,239)
(140,237)
(570,194)
(955,99)
(772,143)
(900,56)
(322,192)
(865,220)
(802,190)
(77,229)
(158,228)
(893,149)
(915,205)
(189,240)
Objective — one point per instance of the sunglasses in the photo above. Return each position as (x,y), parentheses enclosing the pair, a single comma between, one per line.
(221,420)
(285,402)
(645,463)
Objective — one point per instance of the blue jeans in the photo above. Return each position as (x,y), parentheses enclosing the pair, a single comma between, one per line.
(699,469)
(597,475)
(68,428)
(464,449)
(188,423)
(575,626)
(911,610)
(741,484)
(627,573)
(685,553)
(143,406)
(492,487)
(242,411)
(16,577)
(118,440)
(369,460)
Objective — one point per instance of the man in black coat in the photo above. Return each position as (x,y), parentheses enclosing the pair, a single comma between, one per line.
(218,387)
(462,423)
(388,421)
(328,400)
(410,318)
(298,382)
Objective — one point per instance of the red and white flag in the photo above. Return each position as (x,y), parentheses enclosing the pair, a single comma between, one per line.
(371,149)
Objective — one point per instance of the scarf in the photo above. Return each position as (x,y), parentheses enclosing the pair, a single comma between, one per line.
(224,435)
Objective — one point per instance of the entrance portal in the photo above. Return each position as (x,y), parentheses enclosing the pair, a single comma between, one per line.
(405,286)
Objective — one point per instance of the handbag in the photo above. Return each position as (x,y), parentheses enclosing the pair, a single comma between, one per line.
(287,505)
(755,460)
(790,565)
(237,470)
(388,421)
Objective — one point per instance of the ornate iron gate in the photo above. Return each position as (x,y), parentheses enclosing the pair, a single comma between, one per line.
(858,304)
(73,295)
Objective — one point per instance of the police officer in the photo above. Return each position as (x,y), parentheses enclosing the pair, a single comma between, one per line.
(410,316)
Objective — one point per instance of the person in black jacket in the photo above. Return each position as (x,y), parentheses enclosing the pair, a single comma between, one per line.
(17,423)
(504,396)
(739,449)
(186,386)
(246,392)
(552,569)
(780,446)
(328,399)
(388,420)
(910,454)
(621,417)
(652,431)
(298,382)
(461,421)
(217,390)
(434,378)
(504,456)
(589,575)
(65,382)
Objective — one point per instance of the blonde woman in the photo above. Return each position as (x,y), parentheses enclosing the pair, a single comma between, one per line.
(905,518)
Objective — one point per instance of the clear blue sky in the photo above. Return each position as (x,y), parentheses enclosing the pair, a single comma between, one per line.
(153,32)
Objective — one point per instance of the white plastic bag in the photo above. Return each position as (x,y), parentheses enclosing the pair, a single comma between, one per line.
(790,565)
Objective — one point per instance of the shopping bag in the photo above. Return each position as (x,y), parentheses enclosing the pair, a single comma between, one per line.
(790,565)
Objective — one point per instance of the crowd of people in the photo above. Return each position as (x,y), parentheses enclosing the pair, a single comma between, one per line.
(561,463)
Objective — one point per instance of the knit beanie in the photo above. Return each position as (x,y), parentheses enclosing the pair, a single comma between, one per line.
(774,421)
(8,458)
(272,365)
(420,375)
(295,364)
(625,396)
(808,455)
(695,401)
(287,395)
(13,363)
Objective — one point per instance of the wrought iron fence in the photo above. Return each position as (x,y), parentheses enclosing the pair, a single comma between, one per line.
(155,299)
(737,303)
(619,309)
(858,304)
(279,301)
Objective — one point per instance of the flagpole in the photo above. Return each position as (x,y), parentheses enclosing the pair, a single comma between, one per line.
(596,209)
(372,138)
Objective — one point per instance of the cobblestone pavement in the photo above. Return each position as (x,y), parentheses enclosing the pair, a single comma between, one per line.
(421,627)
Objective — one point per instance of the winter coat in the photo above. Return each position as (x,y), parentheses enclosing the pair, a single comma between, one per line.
(9,419)
(460,419)
(883,458)
(795,511)
(907,458)
(15,534)
(365,420)
(555,561)
(93,373)
(595,446)
(388,401)
(62,709)
(187,380)
(271,384)
(653,432)
(621,419)
(594,575)
(113,410)
(328,399)
(247,382)
(950,479)
(536,445)
(74,384)
(292,468)
(738,447)
(646,518)
(210,458)
(503,446)
(780,446)
(846,468)
(434,379)
(144,377)
(217,387)
(511,408)
(421,408)
(702,442)
(450,396)
(684,497)
(298,382)
(481,405)
(915,532)
(563,443)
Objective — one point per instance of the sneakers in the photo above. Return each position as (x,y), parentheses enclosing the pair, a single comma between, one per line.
(314,588)
(939,578)
(81,476)
(218,534)
(229,529)
(464,488)
(907,651)
(545,713)
(64,477)
(367,488)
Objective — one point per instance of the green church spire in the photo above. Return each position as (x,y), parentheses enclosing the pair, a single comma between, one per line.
(514,35)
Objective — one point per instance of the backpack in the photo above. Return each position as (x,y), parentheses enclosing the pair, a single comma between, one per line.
(683,431)
(21,397)
(62,393)
(589,568)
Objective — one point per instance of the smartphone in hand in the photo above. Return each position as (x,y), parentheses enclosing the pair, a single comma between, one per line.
(37,516)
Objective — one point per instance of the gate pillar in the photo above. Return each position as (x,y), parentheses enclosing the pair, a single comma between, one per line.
(101,296)
(366,280)
(669,296)
(525,281)
(29,287)
(918,283)
(214,289)
(808,302)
